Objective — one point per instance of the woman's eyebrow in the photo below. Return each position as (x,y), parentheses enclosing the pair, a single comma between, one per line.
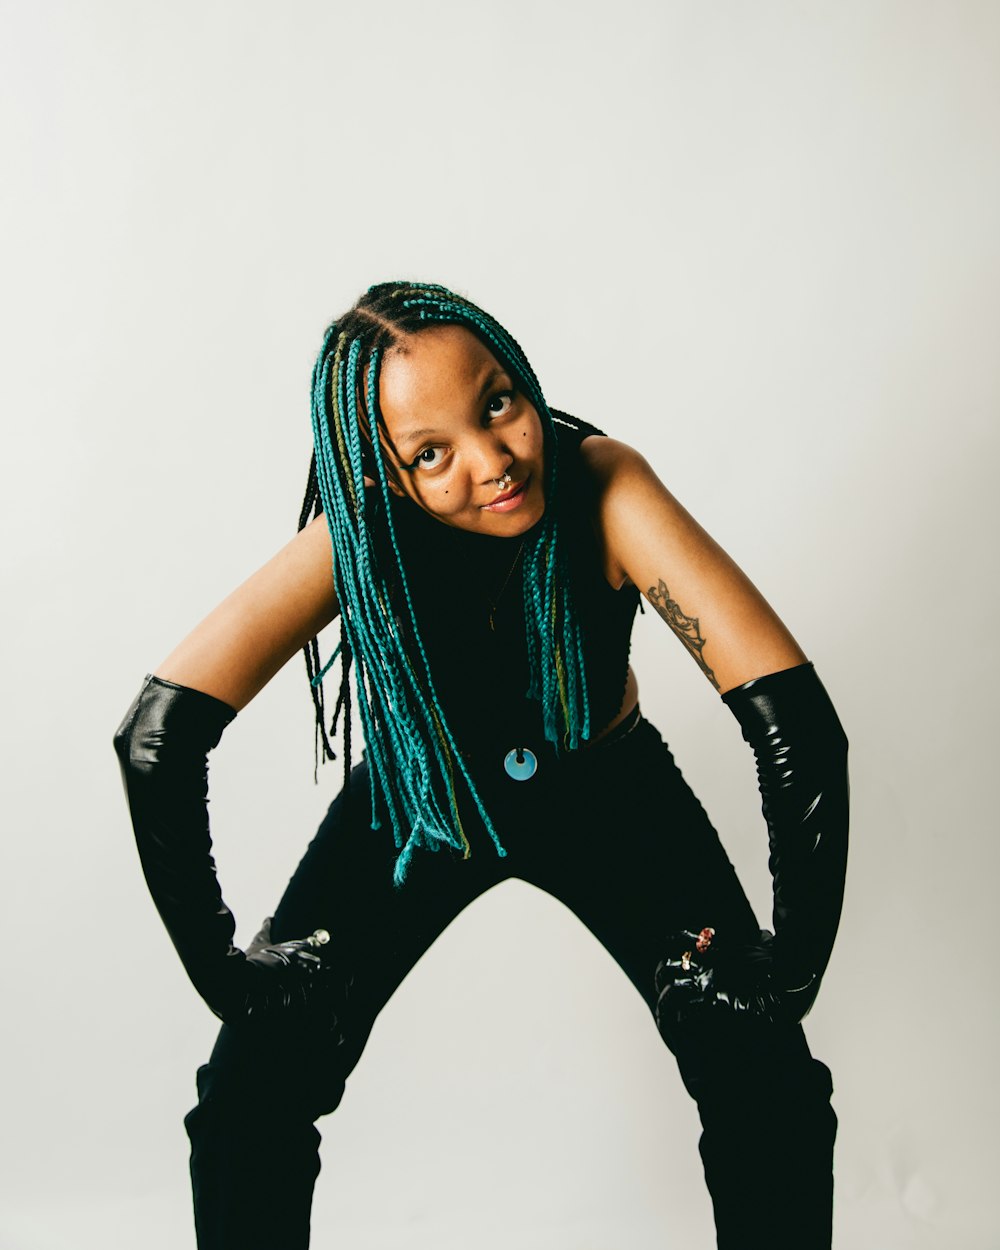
(413,436)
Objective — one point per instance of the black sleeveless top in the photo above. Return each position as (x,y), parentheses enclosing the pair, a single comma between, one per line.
(480,674)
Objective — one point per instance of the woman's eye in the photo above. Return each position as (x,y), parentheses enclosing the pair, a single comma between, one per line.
(422,461)
(508,395)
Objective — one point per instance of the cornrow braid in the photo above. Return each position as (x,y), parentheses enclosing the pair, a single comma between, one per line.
(411,751)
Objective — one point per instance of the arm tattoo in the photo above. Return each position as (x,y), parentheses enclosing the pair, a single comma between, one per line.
(685,627)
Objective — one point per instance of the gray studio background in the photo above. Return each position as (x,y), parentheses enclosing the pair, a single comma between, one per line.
(756,240)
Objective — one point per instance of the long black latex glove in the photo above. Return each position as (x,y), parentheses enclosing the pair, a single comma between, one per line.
(801,752)
(162,745)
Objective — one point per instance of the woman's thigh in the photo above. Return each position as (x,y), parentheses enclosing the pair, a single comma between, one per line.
(630,849)
(378,931)
(290,1070)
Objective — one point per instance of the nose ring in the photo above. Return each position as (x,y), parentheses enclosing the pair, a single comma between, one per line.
(503,481)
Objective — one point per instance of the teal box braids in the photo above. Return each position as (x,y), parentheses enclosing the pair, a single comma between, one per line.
(413,758)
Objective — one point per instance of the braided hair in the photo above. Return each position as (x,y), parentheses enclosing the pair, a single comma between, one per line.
(412,756)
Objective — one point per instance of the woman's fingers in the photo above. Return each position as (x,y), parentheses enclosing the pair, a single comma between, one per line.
(262,938)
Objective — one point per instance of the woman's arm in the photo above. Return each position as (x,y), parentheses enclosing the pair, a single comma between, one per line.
(162,745)
(724,622)
(236,650)
(787,718)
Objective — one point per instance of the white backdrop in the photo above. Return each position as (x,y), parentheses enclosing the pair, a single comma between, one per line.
(757,241)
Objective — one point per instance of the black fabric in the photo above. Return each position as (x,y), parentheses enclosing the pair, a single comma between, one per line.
(481,674)
(618,836)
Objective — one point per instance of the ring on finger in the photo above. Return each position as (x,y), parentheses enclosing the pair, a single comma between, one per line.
(704,940)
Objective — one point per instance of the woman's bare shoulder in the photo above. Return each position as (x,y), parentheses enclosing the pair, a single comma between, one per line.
(236,650)
(604,456)
(709,602)
(605,461)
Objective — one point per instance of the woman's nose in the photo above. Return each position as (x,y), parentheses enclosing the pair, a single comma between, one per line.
(492,460)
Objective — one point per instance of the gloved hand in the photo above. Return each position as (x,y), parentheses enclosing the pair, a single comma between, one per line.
(703,972)
(311,987)
(162,746)
(801,752)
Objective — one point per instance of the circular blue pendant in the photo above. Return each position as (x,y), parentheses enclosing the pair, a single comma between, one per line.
(520,764)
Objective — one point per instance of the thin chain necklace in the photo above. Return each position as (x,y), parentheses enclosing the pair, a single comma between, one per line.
(495,603)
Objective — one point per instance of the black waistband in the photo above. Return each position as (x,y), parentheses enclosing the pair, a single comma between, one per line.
(620,730)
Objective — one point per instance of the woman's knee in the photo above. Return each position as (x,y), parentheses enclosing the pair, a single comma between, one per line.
(743,1062)
(264,1074)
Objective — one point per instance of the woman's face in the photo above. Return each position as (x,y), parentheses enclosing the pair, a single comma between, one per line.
(456,422)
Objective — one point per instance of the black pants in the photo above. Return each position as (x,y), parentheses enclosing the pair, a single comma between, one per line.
(617,835)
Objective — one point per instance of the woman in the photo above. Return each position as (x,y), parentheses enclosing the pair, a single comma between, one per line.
(485,555)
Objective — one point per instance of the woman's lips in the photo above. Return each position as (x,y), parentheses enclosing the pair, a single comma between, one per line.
(506,503)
